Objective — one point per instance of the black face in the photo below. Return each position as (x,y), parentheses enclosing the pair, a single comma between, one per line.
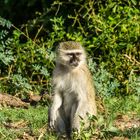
(74,58)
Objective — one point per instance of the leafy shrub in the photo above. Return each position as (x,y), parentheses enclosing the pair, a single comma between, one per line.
(23,66)
(106,85)
(109,30)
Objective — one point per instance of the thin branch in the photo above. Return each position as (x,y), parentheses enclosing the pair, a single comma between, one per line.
(24,34)
(133,60)
(38,32)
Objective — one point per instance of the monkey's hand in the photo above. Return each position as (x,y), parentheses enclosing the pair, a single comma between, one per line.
(52,120)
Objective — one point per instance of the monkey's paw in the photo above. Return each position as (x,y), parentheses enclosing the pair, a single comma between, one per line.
(52,122)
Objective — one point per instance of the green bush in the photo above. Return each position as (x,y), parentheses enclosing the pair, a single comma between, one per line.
(24,66)
(109,30)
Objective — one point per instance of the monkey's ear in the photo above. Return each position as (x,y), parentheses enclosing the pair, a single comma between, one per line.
(61,45)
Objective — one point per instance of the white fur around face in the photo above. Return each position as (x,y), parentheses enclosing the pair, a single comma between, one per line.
(64,59)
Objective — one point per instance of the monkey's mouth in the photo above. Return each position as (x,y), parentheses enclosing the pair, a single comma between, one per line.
(74,64)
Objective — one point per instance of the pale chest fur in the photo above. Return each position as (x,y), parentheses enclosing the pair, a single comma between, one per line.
(71,83)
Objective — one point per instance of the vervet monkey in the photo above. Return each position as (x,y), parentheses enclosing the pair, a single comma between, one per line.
(74,94)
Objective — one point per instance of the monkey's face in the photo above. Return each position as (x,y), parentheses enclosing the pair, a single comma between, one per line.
(72,58)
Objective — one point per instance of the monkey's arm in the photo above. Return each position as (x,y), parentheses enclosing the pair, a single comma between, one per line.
(57,101)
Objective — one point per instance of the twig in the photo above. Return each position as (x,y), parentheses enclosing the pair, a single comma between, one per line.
(38,32)
(58,9)
(42,130)
(119,23)
(24,34)
(133,60)
(3,78)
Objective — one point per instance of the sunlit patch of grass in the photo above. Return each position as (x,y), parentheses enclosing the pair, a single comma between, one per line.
(36,125)
(36,118)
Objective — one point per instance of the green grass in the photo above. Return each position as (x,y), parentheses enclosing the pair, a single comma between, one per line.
(34,121)
(129,107)
(35,117)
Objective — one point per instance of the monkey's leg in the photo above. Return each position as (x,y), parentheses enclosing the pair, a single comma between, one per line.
(68,127)
(79,115)
(75,120)
(60,125)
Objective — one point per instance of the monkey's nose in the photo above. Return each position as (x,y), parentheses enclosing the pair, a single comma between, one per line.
(75,63)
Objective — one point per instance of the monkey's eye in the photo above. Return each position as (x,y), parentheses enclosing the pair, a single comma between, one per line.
(78,54)
(70,54)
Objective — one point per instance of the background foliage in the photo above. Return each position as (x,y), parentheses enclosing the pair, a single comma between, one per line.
(30,31)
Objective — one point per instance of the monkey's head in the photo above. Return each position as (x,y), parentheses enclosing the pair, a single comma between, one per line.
(71,54)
